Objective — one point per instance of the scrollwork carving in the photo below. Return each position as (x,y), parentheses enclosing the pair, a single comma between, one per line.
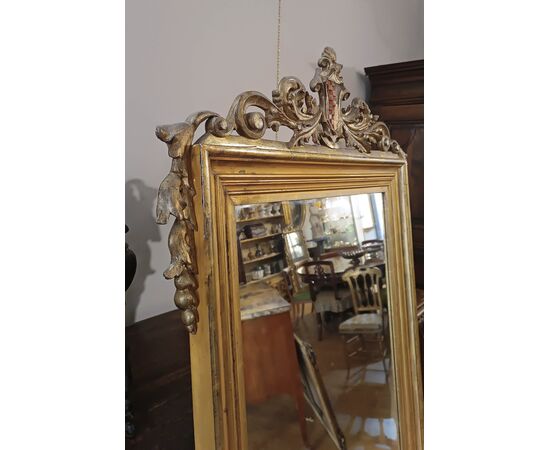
(323,121)
(175,198)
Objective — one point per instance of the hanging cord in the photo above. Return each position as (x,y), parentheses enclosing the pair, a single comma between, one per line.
(278,59)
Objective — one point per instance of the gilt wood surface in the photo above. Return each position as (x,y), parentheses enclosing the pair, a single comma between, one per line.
(220,171)
(241,171)
(323,121)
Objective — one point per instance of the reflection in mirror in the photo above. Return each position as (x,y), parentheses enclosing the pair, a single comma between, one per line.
(314,313)
(295,246)
(297,213)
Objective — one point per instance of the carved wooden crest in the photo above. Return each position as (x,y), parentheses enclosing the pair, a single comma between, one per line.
(323,121)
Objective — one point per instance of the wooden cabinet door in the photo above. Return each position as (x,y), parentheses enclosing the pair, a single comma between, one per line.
(397,96)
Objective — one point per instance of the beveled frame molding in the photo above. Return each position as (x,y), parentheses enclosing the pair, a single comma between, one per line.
(325,123)
(220,171)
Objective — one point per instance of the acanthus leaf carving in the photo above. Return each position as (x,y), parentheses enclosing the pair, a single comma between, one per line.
(175,197)
(323,121)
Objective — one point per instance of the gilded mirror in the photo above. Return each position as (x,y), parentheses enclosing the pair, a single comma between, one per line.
(297,213)
(293,270)
(296,248)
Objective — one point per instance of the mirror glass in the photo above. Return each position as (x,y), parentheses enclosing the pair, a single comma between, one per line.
(316,342)
(297,213)
(297,249)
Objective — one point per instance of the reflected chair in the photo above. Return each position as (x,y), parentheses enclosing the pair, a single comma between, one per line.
(318,274)
(368,324)
(297,298)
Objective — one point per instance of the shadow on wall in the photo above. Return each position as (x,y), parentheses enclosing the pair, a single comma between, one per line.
(140,203)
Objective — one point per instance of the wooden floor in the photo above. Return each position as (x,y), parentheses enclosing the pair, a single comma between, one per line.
(161,389)
(364,403)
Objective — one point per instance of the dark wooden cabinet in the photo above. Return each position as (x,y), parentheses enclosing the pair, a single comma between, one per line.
(397,96)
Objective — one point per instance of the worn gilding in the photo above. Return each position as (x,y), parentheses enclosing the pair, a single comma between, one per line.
(322,121)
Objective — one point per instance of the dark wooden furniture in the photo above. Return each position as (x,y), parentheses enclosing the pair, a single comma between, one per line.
(131,266)
(319,249)
(297,298)
(161,387)
(340,265)
(317,274)
(327,272)
(397,96)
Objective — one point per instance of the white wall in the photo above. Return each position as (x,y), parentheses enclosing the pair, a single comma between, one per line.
(186,56)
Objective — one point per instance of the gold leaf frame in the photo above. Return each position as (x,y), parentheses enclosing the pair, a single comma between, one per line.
(220,171)
(325,122)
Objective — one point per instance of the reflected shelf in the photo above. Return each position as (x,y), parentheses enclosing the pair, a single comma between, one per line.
(262,258)
(259,238)
(267,277)
(256,219)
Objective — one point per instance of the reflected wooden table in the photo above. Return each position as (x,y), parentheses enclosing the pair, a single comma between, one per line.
(269,352)
(341,265)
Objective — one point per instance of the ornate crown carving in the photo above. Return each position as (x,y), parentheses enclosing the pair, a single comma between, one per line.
(323,121)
